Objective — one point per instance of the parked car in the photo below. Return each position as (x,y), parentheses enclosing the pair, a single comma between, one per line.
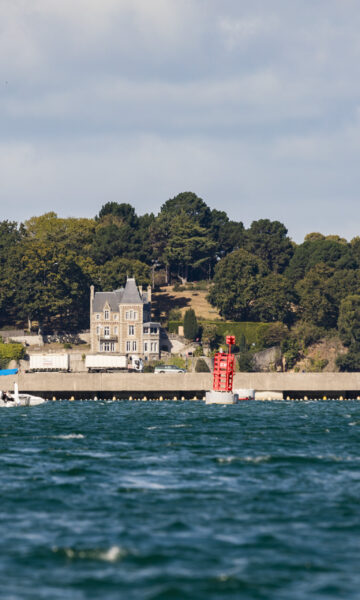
(169,369)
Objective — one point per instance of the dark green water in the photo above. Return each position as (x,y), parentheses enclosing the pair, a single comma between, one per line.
(180,501)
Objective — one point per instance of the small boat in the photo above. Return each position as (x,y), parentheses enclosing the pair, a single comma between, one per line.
(8,400)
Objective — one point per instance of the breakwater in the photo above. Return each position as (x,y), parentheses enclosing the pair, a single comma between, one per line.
(292,384)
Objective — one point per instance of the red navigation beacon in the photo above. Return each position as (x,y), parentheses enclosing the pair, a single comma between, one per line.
(224,365)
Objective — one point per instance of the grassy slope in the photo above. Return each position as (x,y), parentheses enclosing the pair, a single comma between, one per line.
(166,299)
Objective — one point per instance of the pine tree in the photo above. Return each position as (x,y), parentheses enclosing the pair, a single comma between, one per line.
(191,327)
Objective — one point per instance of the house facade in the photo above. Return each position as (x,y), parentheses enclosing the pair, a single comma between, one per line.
(120,322)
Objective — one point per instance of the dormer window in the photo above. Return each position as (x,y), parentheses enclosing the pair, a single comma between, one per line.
(106,315)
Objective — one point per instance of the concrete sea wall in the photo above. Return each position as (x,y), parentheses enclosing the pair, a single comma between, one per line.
(178,383)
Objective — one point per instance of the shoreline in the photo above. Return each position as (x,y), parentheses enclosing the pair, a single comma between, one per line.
(187,385)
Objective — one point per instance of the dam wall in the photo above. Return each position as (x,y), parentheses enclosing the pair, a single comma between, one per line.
(312,383)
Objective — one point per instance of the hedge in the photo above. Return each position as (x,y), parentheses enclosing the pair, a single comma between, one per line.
(253,332)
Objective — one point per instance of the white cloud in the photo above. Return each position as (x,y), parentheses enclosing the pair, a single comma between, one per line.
(254,101)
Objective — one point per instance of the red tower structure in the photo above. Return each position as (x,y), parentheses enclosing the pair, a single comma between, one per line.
(224,366)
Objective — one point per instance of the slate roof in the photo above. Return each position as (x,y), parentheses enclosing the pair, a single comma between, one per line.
(112,298)
(129,295)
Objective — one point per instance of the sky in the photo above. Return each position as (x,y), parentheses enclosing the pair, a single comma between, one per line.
(253,105)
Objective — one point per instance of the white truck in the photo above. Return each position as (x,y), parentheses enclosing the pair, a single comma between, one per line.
(97,363)
(49,362)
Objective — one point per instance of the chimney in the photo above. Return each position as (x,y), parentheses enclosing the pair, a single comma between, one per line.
(92,294)
(140,290)
(149,293)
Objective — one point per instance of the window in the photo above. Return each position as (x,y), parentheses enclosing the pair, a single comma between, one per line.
(146,330)
(97,317)
(112,347)
(134,346)
(131,330)
(98,330)
(131,315)
(106,315)
(128,346)
(106,330)
(115,330)
(106,347)
(153,330)
(153,346)
(116,316)
(145,346)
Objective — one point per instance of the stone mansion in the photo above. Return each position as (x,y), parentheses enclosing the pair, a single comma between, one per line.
(120,322)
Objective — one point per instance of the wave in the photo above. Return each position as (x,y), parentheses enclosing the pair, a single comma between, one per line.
(69,436)
(112,554)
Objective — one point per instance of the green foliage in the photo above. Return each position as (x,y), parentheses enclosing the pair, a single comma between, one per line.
(291,350)
(67,346)
(311,253)
(268,240)
(242,343)
(349,362)
(178,361)
(245,362)
(175,314)
(316,365)
(275,299)
(191,327)
(307,334)
(209,334)
(10,352)
(199,351)
(236,284)
(113,274)
(201,366)
(318,305)
(272,335)
(349,320)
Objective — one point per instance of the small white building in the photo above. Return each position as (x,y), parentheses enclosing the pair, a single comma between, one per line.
(120,322)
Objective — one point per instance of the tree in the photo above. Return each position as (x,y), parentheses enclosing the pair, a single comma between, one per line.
(276,300)
(268,240)
(236,283)
(349,362)
(349,320)
(113,274)
(209,334)
(191,327)
(125,212)
(182,244)
(191,205)
(49,285)
(317,303)
(311,253)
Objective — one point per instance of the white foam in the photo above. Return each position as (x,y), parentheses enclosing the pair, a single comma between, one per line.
(112,554)
(249,459)
(70,436)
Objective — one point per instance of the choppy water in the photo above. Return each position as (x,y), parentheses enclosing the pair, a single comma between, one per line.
(180,501)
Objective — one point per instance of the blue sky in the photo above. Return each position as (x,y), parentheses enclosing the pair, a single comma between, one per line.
(254,106)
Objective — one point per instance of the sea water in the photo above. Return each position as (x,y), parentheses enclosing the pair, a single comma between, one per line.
(178,500)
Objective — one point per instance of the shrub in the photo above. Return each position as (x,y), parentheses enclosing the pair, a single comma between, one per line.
(10,352)
(202,366)
(175,314)
(67,346)
(148,368)
(245,362)
(349,362)
(191,327)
